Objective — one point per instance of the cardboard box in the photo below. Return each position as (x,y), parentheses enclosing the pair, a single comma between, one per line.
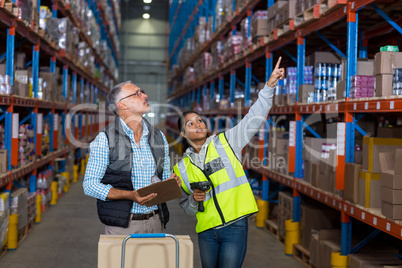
(282,146)
(327,182)
(340,90)
(312,148)
(315,174)
(390,180)
(3,161)
(314,248)
(352,177)
(307,170)
(372,147)
(328,247)
(317,217)
(385,61)
(142,252)
(327,57)
(372,260)
(277,100)
(389,132)
(391,196)
(394,212)
(272,10)
(305,238)
(260,27)
(365,67)
(290,99)
(286,12)
(359,157)
(383,85)
(369,190)
(303,92)
(2,69)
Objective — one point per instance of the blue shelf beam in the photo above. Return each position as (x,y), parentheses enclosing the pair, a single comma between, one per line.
(247,88)
(301,55)
(35,70)
(232,85)
(351,56)
(311,130)
(387,18)
(329,43)
(289,55)
(10,53)
(365,241)
(268,64)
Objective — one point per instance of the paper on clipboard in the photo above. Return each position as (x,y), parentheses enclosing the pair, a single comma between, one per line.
(166,190)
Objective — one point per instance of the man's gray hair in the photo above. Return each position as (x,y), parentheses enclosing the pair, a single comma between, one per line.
(113,95)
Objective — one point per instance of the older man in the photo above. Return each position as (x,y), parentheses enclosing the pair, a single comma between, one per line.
(124,157)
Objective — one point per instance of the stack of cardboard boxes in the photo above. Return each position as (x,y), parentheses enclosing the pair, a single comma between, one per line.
(370,176)
(315,217)
(3,161)
(284,13)
(319,167)
(384,63)
(273,15)
(391,184)
(323,243)
(19,206)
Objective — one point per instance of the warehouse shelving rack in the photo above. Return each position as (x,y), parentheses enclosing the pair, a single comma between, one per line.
(85,123)
(351,109)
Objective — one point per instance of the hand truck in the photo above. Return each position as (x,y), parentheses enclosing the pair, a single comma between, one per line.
(155,235)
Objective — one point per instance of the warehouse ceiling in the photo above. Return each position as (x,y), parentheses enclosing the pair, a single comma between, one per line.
(133,9)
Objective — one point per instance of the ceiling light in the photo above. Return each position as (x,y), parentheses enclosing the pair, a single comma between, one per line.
(151,115)
(145,16)
(147,1)
(147,7)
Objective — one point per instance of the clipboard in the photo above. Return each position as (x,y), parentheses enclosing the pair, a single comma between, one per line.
(166,190)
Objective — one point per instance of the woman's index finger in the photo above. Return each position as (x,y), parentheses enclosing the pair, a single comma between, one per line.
(278,63)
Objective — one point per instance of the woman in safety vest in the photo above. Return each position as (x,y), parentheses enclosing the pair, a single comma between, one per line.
(214,185)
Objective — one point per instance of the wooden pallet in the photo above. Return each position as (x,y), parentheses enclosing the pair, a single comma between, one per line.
(271,227)
(301,254)
(281,240)
(285,28)
(308,15)
(22,234)
(3,251)
(11,8)
(30,225)
(331,5)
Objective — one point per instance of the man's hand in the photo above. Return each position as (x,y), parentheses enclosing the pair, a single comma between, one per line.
(142,200)
(277,74)
(198,195)
(177,178)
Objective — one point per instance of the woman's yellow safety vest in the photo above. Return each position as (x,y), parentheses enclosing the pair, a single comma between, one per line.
(230,197)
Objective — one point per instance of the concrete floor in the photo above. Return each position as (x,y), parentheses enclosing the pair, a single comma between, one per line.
(69,233)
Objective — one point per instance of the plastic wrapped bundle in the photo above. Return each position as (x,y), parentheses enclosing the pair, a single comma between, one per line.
(245,30)
(188,76)
(202,65)
(232,46)
(223,12)
(27,9)
(217,56)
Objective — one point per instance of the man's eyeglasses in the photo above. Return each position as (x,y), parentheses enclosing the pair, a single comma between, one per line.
(138,93)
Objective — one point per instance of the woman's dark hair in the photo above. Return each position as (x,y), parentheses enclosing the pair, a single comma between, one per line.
(180,123)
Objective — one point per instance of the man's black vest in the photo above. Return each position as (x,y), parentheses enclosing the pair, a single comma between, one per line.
(118,173)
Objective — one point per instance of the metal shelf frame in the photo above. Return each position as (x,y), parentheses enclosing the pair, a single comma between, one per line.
(349,108)
(40,110)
